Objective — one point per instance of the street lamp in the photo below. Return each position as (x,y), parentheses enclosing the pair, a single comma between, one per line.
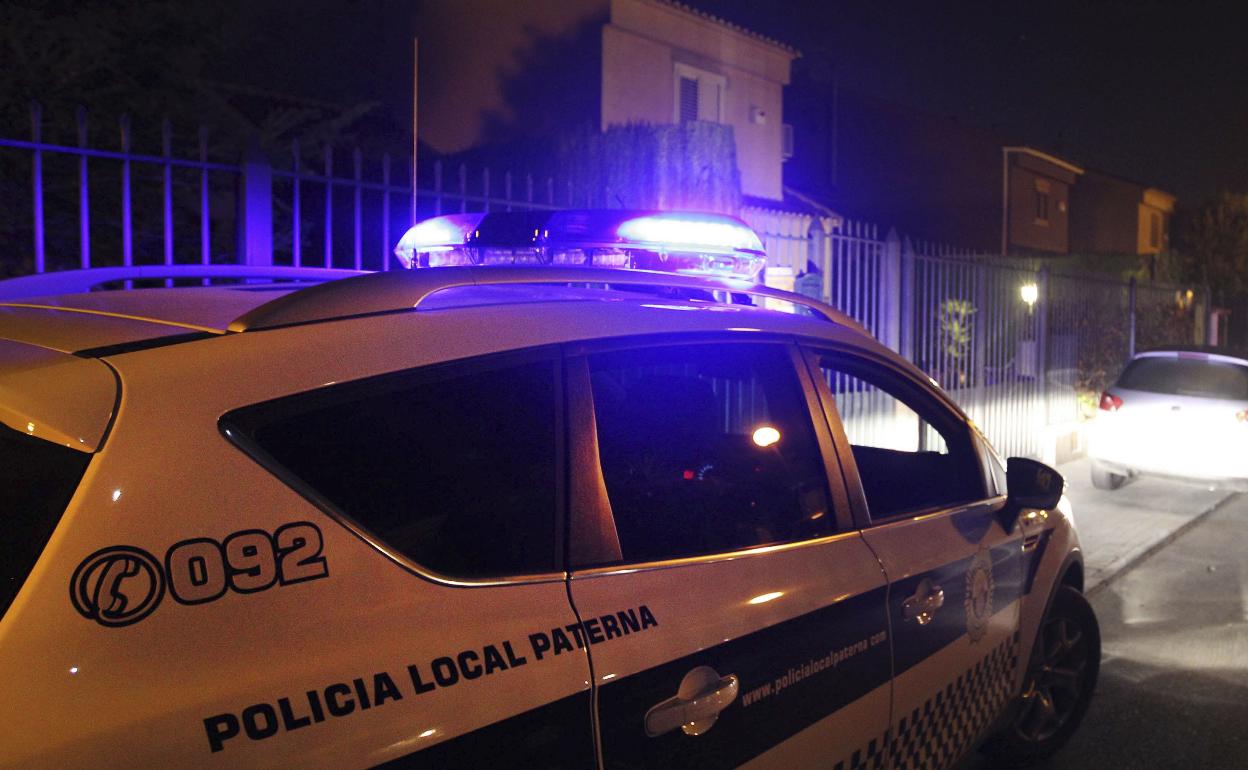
(1030,293)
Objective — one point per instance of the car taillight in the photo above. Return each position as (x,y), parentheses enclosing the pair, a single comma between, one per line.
(1110,402)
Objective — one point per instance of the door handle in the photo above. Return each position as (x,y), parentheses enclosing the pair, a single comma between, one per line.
(923,605)
(702,694)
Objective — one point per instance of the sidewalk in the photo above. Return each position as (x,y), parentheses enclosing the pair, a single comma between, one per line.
(1120,528)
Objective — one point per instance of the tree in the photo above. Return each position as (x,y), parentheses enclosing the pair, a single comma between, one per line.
(1213,248)
(145,57)
(149,60)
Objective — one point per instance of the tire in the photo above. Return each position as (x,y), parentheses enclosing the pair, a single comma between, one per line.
(1103,479)
(1057,689)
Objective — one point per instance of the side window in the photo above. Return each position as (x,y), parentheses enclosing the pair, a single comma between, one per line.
(912,453)
(706,449)
(454,469)
(38,479)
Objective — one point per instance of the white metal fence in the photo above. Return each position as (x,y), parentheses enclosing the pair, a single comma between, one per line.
(1012,342)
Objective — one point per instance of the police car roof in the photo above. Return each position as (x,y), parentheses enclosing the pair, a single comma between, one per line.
(74,323)
(98,323)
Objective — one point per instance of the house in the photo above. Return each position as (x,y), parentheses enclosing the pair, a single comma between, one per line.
(498,81)
(1035,208)
(930,176)
(935,178)
(664,62)
(495,74)
(1120,216)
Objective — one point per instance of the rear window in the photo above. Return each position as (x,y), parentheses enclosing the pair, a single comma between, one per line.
(37,478)
(455,467)
(1187,377)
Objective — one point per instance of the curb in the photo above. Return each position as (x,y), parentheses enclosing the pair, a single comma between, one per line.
(1162,542)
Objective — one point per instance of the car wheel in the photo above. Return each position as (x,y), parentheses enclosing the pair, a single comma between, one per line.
(1058,687)
(1103,479)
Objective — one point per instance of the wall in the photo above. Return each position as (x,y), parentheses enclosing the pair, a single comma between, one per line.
(644,41)
(1028,232)
(927,175)
(1112,215)
(1106,216)
(1161,204)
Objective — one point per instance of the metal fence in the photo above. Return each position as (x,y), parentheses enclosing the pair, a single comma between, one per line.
(1023,349)
(89,205)
(1019,347)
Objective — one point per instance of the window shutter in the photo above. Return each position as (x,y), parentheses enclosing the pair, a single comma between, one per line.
(688,99)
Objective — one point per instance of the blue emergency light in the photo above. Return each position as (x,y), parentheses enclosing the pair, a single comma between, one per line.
(674,242)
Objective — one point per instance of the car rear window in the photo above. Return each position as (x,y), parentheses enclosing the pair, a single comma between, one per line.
(454,467)
(37,478)
(1187,377)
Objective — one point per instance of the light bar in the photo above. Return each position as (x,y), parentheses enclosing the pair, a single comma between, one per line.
(690,232)
(674,242)
(436,236)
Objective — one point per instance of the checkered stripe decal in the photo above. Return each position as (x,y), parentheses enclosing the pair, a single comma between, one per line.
(872,758)
(939,732)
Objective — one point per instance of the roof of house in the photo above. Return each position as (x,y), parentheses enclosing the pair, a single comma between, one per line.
(686,8)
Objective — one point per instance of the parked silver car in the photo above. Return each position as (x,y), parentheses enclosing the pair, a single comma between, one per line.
(1178,412)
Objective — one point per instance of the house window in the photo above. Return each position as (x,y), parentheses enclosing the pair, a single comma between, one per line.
(1042,207)
(699,95)
(688,100)
(1042,188)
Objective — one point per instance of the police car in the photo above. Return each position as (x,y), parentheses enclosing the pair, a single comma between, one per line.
(576,490)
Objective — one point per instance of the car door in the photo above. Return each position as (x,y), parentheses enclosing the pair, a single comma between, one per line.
(917,480)
(732,614)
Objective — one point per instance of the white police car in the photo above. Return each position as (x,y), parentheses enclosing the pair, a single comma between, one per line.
(515,507)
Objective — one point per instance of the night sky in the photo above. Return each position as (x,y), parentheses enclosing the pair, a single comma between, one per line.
(1153,91)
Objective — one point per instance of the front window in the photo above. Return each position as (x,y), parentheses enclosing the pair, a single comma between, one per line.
(706,449)
(912,454)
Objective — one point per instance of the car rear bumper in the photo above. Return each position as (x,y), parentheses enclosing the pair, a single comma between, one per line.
(1238,482)
(1195,461)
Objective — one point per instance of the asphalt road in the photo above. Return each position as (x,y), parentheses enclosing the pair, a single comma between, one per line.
(1173,690)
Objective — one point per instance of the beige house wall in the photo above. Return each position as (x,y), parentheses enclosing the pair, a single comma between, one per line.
(644,42)
(1160,204)
(1027,231)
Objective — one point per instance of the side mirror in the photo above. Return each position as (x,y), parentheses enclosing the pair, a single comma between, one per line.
(1031,485)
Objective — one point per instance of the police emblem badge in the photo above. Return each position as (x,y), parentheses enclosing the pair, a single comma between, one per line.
(979,589)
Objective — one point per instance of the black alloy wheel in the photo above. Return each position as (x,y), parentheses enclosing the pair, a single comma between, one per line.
(1057,690)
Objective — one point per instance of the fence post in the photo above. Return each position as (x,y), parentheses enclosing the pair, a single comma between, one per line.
(84,201)
(908,300)
(979,330)
(1211,336)
(36,177)
(1042,338)
(127,211)
(205,221)
(255,207)
(1131,317)
(296,208)
(166,152)
(889,291)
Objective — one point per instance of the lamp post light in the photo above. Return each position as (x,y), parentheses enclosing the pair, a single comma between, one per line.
(1030,293)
